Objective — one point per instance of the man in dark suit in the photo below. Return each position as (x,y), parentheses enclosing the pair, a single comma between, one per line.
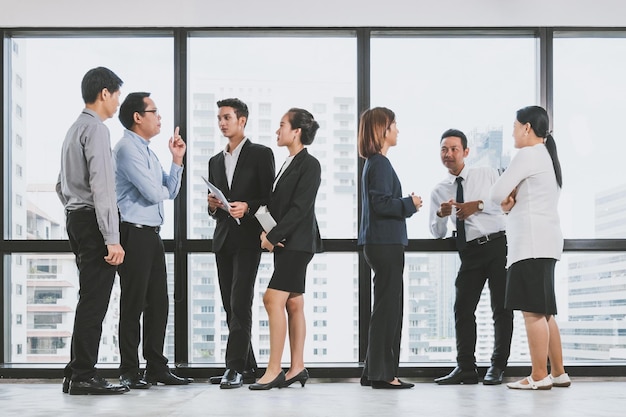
(244,172)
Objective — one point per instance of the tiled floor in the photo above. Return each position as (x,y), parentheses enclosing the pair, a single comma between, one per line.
(588,397)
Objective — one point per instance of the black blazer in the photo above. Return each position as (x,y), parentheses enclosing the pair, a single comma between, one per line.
(252,183)
(384,210)
(292,204)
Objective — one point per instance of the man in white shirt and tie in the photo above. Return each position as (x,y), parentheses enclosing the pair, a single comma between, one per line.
(463,197)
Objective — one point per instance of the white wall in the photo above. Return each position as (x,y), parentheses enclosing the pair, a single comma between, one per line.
(310,13)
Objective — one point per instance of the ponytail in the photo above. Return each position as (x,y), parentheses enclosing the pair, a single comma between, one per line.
(551,147)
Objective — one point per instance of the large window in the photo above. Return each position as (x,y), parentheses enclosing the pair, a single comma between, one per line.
(433,80)
(46,74)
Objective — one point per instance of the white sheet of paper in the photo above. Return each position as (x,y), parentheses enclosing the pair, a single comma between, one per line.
(220,196)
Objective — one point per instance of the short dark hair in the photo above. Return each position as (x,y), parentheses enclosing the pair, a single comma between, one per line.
(132,103)
(96,80)
(241,109)
(456,133)
(303,120)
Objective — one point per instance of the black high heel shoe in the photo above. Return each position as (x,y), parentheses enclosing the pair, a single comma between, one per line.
(275,383)
(302,377)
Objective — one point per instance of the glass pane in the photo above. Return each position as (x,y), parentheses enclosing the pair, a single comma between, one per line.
(41,305)
(331,310)
(433,84)
(45,103)
(588,110)
(272,75)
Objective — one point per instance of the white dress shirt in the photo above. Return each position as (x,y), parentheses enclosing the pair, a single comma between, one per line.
(533,226)
(230,160)
(476,185)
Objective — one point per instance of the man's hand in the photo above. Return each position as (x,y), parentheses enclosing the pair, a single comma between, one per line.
(417,201)
(115,254)
(177,147)
(445,209)
(464,210)
(214,203)
(238,209)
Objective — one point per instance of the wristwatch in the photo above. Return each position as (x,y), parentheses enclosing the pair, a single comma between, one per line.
(481,205)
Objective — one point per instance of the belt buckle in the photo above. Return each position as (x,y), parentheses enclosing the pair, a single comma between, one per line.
(483,239)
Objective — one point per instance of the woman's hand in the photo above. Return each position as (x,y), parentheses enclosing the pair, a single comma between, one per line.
(508,203)
(266,244)
(417,201)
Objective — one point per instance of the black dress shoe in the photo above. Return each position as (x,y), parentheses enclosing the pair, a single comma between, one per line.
(389,385)
(165,377)
(231,379)
(459,376)
(493,376)
(134,380)
(365,382)
(302,377)
(275,383)
(66,385)
(249,376)
(95,386)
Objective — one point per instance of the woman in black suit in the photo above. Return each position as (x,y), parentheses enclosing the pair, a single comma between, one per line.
(383,237)
(294,240)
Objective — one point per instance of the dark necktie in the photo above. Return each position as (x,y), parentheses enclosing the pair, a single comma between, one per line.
(460,224)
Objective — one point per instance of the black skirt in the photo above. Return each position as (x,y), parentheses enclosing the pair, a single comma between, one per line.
(290,270)
(530,286)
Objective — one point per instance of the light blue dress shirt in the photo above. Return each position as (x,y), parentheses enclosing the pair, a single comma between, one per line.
(141,183)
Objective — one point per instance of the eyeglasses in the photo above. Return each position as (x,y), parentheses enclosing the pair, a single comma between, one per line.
(155,111)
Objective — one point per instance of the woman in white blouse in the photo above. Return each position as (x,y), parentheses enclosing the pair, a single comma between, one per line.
(529,191)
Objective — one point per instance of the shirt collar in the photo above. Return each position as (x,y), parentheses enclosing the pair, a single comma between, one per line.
(237,150)
(462,174)
(136,137)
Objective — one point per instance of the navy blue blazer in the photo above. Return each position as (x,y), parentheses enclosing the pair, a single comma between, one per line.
(292,205)
(384,210)
(252,183)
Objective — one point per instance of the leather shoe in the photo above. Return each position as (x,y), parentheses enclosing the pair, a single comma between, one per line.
(275,383)
(365,381)
(302,377)
(165,377)
(134,380)
(249,377)
(389,385)
(66,385)
(231,379)
(459,376)
(95,386)
(493,376)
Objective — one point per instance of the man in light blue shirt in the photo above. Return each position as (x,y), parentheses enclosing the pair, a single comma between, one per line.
(142,185)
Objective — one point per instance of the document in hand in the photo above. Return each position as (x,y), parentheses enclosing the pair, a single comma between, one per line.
(265,218)
(220,196)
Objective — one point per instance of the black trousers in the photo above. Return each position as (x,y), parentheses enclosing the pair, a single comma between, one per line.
(143,281)
(480,263)
(236,271)
(383,348)
(96,279)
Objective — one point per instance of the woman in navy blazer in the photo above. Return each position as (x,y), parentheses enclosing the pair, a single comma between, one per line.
(294,240)
(383,236)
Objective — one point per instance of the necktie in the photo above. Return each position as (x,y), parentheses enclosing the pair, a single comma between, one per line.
(460,224)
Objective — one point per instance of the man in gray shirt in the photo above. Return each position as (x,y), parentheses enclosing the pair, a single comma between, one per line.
(86,187)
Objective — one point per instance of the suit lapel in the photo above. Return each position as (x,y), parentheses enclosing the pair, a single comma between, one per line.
(221,181)
(292,165)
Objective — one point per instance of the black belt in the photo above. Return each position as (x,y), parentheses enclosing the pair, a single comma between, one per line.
(487,238)
(155,229)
